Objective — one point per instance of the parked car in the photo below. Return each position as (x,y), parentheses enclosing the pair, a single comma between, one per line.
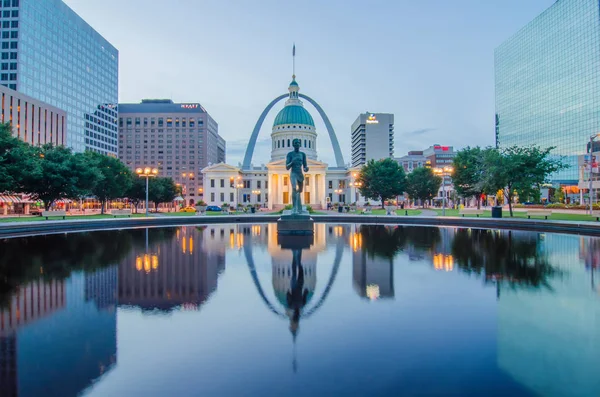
(188,209)
(213,208)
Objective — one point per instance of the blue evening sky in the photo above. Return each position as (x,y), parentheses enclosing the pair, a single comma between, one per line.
(430,62)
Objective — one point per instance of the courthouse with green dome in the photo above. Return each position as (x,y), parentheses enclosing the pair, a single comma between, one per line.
(269,184)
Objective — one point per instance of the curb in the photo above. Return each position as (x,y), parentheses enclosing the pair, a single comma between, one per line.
(66,226)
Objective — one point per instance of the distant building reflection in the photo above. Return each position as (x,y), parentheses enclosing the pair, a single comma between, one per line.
(179,270)
(58,336)
(548,337)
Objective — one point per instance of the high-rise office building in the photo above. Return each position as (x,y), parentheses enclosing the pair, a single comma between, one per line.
(372,138)
(51,54)
(547,83)
(179,139)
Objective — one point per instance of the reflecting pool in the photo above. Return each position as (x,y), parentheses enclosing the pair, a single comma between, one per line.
(230,310)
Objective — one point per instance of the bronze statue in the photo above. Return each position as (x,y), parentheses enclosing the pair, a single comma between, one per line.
(296,160)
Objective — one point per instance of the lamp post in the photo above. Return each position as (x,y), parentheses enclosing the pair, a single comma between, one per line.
(147,173)
(354,184)
(444,172)
(590,165)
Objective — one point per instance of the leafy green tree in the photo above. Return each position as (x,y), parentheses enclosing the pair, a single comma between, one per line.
(423,184)
(137,191)
(519,170)
(17,161)
(559,195)
(382,180)
(162,190)
(115,178)
(469,169)
(58,174)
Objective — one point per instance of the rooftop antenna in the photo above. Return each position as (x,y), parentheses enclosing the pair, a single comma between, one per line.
(294,62)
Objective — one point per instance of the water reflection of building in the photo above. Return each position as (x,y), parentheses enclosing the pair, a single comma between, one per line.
(548,337)
(177,271)
(63,338)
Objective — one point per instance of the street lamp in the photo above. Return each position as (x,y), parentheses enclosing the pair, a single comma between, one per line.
(444,172)
(592,139)
(147,173)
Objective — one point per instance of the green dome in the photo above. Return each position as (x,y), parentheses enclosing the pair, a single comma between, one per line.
(293,83)
(293,114)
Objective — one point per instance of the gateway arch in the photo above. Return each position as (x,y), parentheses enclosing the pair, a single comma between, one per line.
(339,159)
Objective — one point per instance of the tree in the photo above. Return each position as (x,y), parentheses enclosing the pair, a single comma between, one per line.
(115,179)
(519,170)
(17,161)
(137,191)
(57,174)
(469,168)
(382,180)
(559,195)
(162,190)
(422,184)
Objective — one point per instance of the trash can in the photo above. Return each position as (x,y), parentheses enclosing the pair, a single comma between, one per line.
(253,210)
(340,209)
(497,212)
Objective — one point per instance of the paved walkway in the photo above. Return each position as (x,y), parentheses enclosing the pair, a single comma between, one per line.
(425,212)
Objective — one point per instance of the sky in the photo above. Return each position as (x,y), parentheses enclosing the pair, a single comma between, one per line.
(429,62)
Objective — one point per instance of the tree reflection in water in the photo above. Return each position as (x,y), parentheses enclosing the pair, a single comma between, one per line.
(55,256)
(508,257)
(388,241)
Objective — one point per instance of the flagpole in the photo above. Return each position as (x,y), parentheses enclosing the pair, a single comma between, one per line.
(294,60)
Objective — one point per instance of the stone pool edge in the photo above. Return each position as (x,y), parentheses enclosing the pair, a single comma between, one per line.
(22,229)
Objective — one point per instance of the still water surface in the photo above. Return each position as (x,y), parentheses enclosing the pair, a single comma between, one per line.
(228,310)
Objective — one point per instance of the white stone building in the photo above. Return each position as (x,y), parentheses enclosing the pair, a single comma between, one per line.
(269,184)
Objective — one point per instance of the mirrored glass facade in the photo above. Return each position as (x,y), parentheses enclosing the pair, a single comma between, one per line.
(548,83)
(51,54)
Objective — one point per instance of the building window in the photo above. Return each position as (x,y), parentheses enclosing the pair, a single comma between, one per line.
(212,197)
(222,197)
(212,183)
(222,182)
(258,184)
(288,143)
(231,197)
(307,179)
(285,181)
(331,184)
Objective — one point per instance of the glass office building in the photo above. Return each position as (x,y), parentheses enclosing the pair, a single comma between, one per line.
(548,83)
(51,54)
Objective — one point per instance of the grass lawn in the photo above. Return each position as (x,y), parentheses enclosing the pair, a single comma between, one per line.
(523,215)
(27,218)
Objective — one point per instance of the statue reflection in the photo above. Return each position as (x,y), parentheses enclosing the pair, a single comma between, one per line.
(294,284)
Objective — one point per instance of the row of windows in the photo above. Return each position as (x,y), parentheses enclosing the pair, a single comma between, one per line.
(10,14)
(281,143)
(9,3)
(161,121)
(246,184)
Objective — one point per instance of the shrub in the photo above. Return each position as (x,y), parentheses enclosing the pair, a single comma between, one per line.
(556,205)
(201,203)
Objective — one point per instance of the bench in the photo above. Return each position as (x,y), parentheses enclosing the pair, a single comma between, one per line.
(596,214)
(116,213)
(390,210)
(543,213)
(47,214)
(470,211)
(366,211)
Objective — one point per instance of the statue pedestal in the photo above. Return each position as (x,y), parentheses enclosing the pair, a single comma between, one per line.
(300,224)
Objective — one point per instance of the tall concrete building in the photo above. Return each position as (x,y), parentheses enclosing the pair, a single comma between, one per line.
(179,139)
(51,54)
(372,138)
(547,83)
